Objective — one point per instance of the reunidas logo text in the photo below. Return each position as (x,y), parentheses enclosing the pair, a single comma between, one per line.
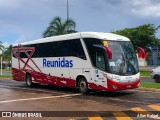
(57,63)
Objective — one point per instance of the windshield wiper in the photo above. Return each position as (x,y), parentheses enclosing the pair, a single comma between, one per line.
(130,64)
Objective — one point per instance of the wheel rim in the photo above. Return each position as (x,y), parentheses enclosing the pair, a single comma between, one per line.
(83,85)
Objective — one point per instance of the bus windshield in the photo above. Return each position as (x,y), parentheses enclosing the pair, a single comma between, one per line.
(124,59)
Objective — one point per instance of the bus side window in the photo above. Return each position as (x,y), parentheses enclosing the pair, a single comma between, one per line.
(23,55)
(76,49)
(36,52)
(44,50)
(60,48)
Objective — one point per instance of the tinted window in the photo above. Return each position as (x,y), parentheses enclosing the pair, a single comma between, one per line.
(45,50)
(60,48)
(35,54)
(23,55)
(75,49)
(57,49)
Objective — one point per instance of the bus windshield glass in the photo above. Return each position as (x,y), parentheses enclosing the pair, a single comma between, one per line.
(124,59)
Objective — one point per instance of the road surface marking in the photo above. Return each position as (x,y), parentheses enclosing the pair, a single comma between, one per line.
(140,110)
(38,98)
(96,117)
(121,116)
(155,107)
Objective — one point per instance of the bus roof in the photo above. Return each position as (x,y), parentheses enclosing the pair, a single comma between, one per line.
(98,35)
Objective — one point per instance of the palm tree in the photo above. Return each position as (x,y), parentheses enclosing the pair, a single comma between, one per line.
(59,27)
(1,46)
(7,55)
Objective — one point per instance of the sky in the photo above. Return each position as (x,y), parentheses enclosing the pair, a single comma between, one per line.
(25,20)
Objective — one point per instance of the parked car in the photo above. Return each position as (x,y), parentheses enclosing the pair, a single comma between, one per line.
(155,74)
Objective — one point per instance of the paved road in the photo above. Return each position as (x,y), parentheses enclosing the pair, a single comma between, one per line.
(16,96)
(147,79)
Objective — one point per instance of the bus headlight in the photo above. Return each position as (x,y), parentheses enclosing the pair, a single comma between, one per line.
(116,80)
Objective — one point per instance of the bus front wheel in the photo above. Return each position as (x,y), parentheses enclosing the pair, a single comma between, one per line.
(83,85)
(29,80)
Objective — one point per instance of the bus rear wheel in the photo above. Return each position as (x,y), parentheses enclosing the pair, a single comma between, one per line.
(29,80)
(83,85)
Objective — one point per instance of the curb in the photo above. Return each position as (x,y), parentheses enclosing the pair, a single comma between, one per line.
(149,89)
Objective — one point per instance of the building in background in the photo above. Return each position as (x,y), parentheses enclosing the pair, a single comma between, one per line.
(154,55)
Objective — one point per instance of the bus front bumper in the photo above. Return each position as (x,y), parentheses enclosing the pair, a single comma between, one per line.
(116,86)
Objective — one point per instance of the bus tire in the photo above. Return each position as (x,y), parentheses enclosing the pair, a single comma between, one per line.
(83,85)
(29,80)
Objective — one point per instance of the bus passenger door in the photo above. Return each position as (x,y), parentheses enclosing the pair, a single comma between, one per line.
(87,73)
(100,63)
(100,79)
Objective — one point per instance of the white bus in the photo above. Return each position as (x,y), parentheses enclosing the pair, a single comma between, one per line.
(85,60)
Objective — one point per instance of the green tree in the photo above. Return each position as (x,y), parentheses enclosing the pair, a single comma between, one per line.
(7,55)
(142,36)
(59,27)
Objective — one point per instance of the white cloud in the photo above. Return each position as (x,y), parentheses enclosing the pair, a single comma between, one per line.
(6,44)
(144,8)
(9,4)
(27,19)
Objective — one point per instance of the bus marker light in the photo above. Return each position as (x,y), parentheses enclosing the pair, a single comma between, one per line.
(105,75)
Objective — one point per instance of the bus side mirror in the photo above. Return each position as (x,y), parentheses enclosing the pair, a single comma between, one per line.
(109,52)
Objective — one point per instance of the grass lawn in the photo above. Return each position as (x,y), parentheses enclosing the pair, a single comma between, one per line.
(6,70)
(8,77)
(145,73)
(150,85)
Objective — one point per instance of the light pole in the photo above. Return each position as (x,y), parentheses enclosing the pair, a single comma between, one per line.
(1,51)
(67,10)
(1,64)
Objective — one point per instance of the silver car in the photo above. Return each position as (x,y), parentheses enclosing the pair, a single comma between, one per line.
(155,74)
